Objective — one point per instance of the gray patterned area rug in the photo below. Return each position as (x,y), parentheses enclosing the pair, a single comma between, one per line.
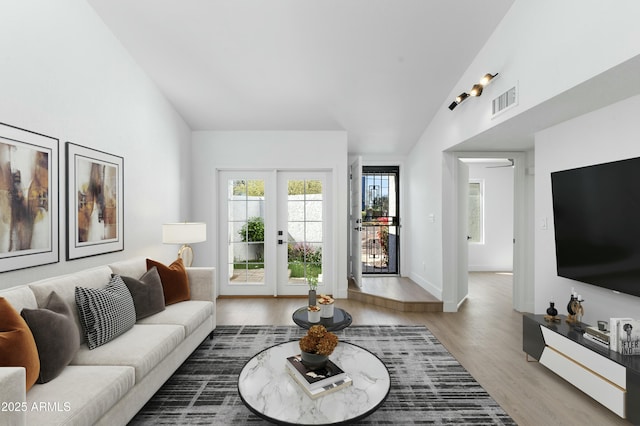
(428,385)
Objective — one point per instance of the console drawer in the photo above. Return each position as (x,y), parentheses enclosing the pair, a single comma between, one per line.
(602,390)
(613,371)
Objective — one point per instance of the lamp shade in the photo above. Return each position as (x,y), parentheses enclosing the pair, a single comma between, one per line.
(184,233)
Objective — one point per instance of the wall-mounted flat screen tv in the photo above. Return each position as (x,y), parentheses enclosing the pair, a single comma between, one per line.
(596,213)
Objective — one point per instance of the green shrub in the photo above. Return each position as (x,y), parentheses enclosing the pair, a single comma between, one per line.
(253,232)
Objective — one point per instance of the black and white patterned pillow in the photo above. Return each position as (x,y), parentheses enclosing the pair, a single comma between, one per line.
(105,313)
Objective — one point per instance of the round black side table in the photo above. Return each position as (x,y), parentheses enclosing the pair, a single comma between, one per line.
(341,319)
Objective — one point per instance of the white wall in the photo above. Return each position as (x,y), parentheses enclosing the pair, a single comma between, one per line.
(271,150)
(496,253)
(546,50)
(65,75)
(609,134)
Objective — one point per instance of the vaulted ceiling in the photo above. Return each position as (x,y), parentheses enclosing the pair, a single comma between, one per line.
(379,69)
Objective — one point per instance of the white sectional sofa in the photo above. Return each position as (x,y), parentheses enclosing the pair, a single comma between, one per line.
(109,384)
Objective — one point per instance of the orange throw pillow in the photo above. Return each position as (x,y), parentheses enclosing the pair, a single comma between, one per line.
(175,283)
(17,345)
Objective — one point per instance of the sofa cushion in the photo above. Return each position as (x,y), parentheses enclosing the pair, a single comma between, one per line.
(20,297)
(17,346)
(143,347)
(175,283)
(105,313)
(55,334)
(190,314)
(147,293)
(80,395)
(130,267)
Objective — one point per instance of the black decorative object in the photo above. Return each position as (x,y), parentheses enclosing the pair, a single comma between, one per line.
(571,305)
(575,309)
(552,312)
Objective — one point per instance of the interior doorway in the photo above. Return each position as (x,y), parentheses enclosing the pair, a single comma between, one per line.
(490,214)
(457,269)
(380,236)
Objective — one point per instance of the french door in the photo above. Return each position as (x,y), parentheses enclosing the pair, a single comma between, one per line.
(274,232)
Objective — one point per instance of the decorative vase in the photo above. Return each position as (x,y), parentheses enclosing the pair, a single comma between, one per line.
(326,310)
(314,361)
(551,310)
(326,304)
(312,297)
(314,313)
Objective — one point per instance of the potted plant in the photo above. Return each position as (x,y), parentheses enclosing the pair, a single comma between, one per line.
(326,305)
(313,286)
(316,346)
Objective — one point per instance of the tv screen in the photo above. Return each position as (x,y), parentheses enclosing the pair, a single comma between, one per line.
(596,213)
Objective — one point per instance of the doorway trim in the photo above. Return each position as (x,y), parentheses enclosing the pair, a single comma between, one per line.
(455,268)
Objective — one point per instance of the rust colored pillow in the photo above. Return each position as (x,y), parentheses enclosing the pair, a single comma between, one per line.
(17,345)
(175,283)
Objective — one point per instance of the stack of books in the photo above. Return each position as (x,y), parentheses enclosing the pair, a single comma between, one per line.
(600,337)
(317,383)
(625,335)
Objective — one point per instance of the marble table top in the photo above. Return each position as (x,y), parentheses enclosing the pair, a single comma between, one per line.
(268,390)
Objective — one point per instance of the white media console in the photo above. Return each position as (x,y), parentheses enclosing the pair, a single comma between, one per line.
(608,377)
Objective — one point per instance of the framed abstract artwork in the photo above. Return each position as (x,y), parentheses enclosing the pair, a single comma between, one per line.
(29,205)
(95,211)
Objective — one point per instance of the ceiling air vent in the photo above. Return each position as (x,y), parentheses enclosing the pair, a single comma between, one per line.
(505,101)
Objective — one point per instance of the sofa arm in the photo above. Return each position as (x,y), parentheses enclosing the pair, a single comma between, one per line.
(202,283)
(13,396)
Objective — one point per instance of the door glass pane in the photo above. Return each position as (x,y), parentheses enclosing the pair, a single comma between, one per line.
(304,227)
(313,209)
(246,230)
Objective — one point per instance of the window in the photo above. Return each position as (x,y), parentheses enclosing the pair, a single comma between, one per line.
(476,212)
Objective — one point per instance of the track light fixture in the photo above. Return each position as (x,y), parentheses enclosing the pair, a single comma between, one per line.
(475,91)
(461,97)
(487,78)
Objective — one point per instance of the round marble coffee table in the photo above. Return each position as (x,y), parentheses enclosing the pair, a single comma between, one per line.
(268,390)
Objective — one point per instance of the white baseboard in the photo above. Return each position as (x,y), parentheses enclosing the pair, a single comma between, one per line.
(424,283)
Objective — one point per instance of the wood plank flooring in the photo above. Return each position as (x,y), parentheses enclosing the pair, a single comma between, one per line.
(485,336)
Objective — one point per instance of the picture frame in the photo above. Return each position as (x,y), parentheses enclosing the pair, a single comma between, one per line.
(29,201)
(95,208)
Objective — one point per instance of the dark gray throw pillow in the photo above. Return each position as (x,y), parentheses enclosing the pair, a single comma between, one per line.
(56,336)
(147,293)
(105,313)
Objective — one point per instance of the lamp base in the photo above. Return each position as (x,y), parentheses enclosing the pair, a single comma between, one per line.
(186,254)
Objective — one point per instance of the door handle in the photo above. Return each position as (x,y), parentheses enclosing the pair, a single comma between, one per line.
(358,228)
